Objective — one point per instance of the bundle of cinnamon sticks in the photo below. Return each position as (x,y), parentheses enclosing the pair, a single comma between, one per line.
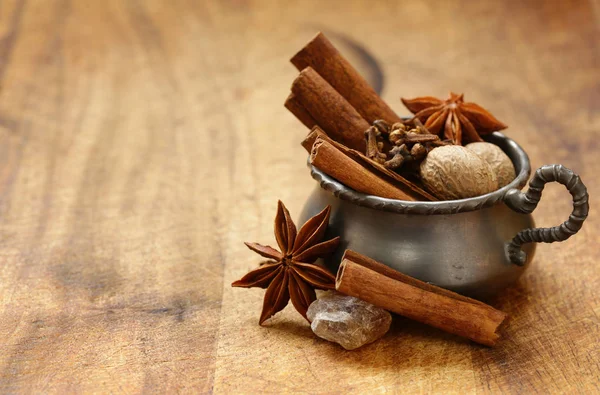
(332,99)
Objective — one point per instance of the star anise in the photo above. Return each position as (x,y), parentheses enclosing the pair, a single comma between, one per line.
(458,120)
(292,274)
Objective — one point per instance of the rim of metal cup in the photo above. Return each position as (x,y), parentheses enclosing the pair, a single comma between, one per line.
(514,151)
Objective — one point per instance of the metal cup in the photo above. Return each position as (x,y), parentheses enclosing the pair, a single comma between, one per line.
(476,246)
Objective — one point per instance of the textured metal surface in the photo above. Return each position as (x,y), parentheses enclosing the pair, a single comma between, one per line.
(526,202)
(459,245)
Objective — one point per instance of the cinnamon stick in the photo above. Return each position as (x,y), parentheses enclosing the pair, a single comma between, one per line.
(329,109)
(311,137)
(326,60)
(386,173)
(380,268)
(371,166)
(382,286)
(338,165)
(292,104)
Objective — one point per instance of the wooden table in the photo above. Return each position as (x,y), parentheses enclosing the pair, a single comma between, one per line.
(142,141)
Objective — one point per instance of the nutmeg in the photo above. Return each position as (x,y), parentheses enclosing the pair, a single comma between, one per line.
(497,159)
(454,172)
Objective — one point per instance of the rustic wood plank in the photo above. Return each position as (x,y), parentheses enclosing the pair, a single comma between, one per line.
(142,142)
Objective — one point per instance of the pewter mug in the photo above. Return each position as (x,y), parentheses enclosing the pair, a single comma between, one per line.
(476,246)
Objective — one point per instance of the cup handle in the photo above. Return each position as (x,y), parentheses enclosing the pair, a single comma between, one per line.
(526,202)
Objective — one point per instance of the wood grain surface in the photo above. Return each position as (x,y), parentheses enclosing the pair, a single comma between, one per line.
(141,142)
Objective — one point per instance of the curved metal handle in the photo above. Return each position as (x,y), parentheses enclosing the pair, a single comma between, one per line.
(526,202)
